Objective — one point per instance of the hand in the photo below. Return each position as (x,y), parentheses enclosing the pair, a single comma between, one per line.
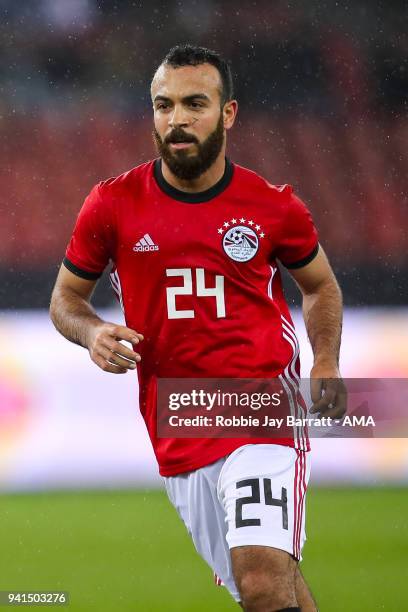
(328,391)
(106,350)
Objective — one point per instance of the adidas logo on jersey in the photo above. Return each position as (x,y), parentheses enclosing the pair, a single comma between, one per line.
(145,244)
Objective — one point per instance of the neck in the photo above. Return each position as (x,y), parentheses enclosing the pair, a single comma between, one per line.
(203,182)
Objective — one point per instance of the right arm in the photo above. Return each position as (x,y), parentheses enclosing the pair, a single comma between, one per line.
(75,318)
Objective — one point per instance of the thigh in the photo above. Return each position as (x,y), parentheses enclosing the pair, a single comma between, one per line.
(262,488)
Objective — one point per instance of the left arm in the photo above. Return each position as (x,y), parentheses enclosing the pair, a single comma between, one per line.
(322,312)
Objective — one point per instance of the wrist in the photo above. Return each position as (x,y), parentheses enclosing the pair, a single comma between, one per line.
(325,367)
(91,328)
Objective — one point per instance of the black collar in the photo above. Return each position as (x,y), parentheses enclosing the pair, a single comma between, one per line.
(191,197)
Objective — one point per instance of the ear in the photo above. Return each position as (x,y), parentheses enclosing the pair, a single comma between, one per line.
(229,113)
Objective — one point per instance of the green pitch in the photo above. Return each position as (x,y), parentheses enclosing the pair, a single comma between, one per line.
(128,551)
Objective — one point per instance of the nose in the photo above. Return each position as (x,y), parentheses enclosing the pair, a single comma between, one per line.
(179,117)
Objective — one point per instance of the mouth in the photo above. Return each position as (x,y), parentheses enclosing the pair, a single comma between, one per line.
(180,145)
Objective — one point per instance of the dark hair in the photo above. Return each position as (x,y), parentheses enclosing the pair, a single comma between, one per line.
(190,55)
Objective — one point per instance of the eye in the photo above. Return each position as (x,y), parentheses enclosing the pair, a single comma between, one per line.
(196,104)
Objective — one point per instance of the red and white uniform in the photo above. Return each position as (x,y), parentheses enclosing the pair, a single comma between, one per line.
(197,275)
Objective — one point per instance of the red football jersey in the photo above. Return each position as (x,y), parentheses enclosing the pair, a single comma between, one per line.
(196,274)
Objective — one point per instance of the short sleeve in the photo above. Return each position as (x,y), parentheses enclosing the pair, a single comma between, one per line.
(298,244)
(90,247)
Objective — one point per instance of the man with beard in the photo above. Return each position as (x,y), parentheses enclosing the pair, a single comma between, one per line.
(194,241)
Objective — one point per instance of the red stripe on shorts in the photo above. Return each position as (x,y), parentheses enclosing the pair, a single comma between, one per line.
(304,487)
(295,505)
(300,508)
(299,525)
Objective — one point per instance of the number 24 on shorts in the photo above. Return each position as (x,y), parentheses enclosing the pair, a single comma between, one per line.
(255,498)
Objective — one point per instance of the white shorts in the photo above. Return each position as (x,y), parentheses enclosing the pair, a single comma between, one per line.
(254,496)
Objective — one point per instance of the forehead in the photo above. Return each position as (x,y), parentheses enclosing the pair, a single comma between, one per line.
(179,82)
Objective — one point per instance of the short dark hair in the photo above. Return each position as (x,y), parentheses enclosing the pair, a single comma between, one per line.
(190,55)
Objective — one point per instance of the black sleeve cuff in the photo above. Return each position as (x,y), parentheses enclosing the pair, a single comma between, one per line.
(304,261)
(79,272)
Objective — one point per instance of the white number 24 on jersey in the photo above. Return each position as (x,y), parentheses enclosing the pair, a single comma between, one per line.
(187,289)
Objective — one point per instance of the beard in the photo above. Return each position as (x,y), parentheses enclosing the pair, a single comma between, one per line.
(184,165)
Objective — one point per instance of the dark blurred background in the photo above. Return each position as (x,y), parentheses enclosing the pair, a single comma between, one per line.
(322,89)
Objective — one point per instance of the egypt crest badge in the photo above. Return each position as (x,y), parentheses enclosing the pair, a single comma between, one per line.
(240,239)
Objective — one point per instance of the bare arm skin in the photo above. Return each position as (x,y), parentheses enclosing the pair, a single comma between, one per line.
(75,318)
(322,312)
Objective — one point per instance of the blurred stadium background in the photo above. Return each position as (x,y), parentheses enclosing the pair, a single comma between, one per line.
(323,92)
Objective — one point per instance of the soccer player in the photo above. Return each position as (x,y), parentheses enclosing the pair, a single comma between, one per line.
(193,240)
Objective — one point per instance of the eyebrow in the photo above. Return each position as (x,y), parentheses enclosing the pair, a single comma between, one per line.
(197,96)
